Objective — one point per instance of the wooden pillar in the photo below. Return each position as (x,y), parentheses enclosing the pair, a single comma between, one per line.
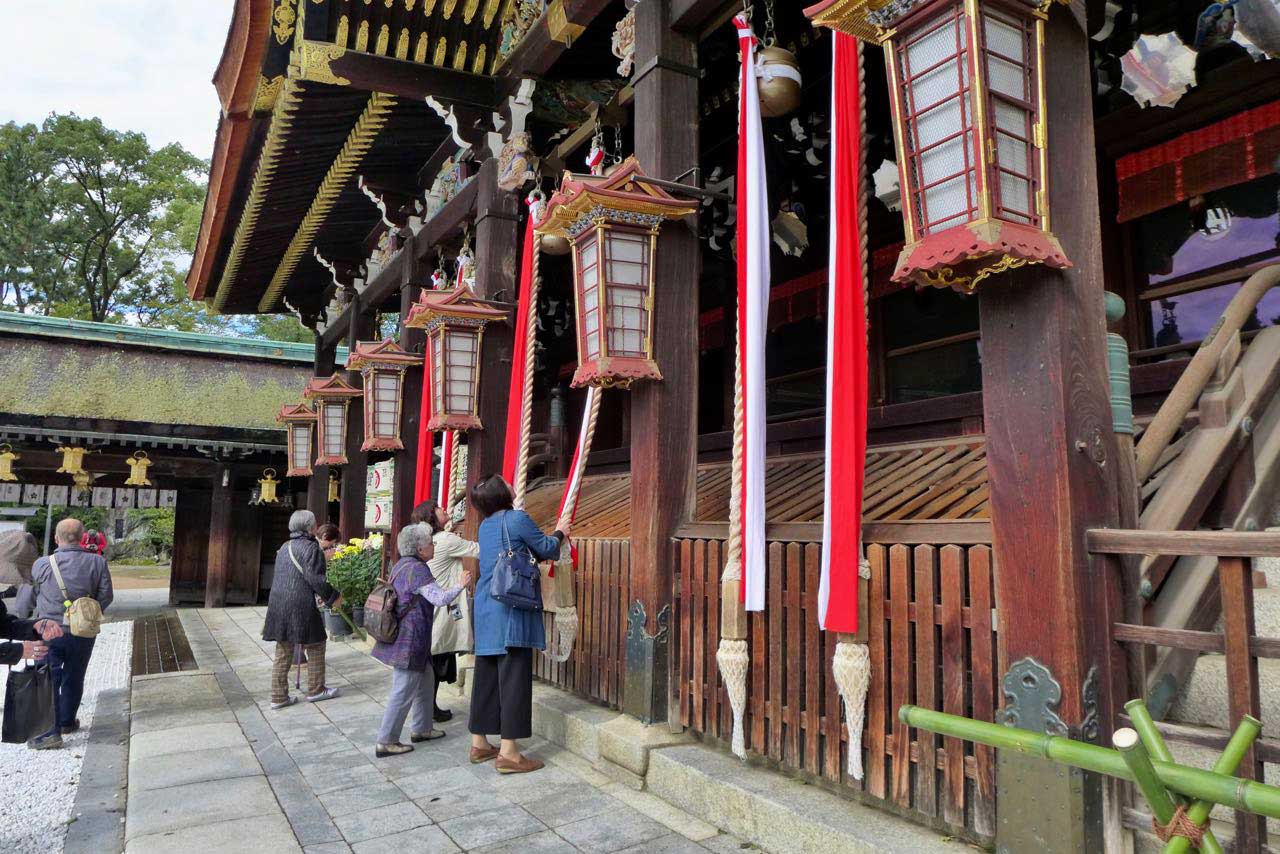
(351,505)
(318,486)
(663,435)
(215,590)
(1052,463)
(405,484)
(497,234)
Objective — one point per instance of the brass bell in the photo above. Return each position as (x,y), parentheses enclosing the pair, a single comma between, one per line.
(554,244)
(779,82)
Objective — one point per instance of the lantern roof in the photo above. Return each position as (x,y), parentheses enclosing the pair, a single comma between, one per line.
(962,256)
(329,388)
(617,195)
(292,412)
(874,20)
(377,354)
(458,304)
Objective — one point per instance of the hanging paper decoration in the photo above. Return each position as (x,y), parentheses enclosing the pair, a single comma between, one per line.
(382,365)
(7,457)
(300,426)
(333,397)
(1158,70)
(613,222)
(515,451)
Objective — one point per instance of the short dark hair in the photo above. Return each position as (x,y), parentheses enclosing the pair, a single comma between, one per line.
(328,531)
(426,513)
(491,495)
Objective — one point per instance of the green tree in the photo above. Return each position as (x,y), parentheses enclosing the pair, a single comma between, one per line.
(31,268)
(94,518)
(280,327)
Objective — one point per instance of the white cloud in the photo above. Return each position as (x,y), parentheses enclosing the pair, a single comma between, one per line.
(143,65)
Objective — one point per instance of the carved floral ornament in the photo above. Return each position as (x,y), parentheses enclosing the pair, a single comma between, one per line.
(624,42)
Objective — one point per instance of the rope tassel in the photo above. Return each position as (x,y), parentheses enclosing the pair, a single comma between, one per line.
(733,661)
(851,667)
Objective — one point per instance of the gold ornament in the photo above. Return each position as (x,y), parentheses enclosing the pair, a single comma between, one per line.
(333,486)
(7,456)
(138,465)
(72,460)
(779,81)
(83,481)
(268,484)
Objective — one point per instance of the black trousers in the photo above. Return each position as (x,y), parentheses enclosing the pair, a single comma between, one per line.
(502,694)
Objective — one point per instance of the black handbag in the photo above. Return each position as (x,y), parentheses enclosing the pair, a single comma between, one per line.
(28,704)
(516,580)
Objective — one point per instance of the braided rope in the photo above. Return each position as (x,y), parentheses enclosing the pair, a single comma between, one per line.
(455,474)
(1180,825)
(565,522)
(733,549)
(526,403)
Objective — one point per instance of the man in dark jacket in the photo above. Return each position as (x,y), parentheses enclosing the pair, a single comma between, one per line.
(17,552)
(292,615)
(84,575)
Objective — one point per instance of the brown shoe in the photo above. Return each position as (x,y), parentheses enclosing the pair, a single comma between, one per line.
(523,765)
(482,754)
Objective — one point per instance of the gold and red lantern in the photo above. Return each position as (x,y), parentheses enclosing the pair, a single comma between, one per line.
(966,82)
(613,223)
(382,365)
(332,396)
(454,322)
(300,427)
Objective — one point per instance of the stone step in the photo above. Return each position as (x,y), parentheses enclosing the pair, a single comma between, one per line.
(1203,700)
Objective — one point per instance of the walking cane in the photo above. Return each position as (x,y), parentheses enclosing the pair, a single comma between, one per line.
(299,658)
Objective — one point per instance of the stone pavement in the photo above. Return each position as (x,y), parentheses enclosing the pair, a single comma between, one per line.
(211,767)
(138,602)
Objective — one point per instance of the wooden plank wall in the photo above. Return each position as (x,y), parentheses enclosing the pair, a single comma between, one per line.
(933,643)
(596,667)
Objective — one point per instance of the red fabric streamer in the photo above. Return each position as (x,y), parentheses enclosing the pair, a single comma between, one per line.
(519,360)
(422,476)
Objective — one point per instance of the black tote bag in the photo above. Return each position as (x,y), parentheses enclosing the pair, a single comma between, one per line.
(28,704)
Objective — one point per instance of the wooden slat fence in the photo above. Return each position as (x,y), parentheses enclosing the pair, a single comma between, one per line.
(596,667)
(932,636)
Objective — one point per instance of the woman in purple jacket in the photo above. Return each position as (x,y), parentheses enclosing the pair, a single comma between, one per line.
(412,678)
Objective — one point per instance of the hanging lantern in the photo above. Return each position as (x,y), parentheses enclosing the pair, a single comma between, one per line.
(454,322)
(72,460)
(332,396)
(966,86)
(83,481)
(300,426)
(138,465)
(382,365)
(613,222)
(333,486)
(7,456)
(779,83)
(268,483)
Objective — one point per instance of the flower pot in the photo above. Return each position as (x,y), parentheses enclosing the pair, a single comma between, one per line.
(357,617)
(336,626)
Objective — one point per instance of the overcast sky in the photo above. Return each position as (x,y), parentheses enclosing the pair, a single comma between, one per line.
(143,65)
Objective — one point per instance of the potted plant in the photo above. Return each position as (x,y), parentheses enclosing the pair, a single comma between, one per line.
(353,570)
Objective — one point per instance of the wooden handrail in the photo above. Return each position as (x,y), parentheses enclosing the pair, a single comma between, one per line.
(1116,541)
(1198,373)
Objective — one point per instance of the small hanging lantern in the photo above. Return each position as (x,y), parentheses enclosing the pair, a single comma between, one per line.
(333,486)
(454,322)
(83,482)
(332,396)
(300,427)
(7,456)
(138,465)
(966,87)
(72,460)
(382,365)
(613,222)
(268,483)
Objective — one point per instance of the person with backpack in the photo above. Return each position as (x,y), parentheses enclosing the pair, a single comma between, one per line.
(409,598)
(73,587)
(293,617)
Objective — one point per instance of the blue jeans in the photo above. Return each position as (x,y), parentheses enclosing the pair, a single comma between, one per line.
(68,660)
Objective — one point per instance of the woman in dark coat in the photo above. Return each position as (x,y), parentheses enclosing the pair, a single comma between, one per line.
(412,675)
(18,552)
(292,615)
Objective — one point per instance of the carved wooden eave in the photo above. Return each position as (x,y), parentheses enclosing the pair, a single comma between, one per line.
(457,304)
(621,190)
(330,388)
(296,413)
(381,354)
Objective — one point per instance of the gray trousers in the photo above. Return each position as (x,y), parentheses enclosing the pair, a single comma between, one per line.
(409,688)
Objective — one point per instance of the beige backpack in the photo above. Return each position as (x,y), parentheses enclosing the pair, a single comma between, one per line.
(83,616)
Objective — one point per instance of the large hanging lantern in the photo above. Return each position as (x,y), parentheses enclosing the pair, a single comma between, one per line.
(7,456)
(267,487)
(299,421)
(613,222)
(382,365)
(454,322)
(332,396)
(138,465)
(72,460)
(966,82)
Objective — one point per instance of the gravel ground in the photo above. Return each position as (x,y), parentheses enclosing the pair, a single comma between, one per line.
(38,788)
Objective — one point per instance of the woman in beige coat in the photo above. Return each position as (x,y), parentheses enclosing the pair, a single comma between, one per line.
(451,628)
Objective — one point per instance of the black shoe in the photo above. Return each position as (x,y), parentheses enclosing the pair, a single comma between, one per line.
(441,715)
(67,730)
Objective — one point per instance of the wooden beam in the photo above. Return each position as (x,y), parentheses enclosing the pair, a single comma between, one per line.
(961,532)
(326,63)
(215,591)
(1202,543)
(546,40)
(693,16)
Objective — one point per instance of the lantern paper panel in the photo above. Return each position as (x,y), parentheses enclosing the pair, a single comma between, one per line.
(613,224)
(332,396)
(300,426)
(454,322)
(382,365)
(967,92)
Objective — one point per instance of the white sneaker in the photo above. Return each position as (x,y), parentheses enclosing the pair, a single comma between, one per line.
(326,694)
(284,705)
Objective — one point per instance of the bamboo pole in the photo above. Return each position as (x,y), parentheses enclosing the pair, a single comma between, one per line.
(1245,795)
(1198,813)
(1138,760)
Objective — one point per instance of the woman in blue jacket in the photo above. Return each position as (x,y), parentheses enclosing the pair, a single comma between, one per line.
(505,637)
